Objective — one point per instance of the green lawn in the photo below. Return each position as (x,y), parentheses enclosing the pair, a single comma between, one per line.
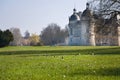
(60,63)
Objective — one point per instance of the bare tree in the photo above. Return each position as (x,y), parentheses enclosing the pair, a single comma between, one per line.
(26,40)
(105,8)
(106,12)
(27,35)
(17,36)
(107,17)
(53,34)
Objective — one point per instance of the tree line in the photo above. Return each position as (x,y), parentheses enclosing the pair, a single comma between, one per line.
(51,35)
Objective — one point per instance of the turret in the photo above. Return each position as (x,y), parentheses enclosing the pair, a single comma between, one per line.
(92,33)
(88,26)
(118,28)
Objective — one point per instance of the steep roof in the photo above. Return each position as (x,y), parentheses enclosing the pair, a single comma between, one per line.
(74,16)
(87,13)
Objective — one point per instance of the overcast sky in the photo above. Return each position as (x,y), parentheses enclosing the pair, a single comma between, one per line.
(34,15)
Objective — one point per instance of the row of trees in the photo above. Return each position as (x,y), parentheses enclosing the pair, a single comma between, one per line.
(51,35)
(26,40)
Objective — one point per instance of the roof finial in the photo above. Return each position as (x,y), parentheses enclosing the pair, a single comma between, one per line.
(87,5)
(74,10)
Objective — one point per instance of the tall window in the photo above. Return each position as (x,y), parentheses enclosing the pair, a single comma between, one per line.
(71,31)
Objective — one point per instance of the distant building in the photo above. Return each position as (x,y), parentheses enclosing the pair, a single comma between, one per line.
(85,29)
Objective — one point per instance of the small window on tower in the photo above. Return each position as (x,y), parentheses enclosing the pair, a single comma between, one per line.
(71,40)
(71,32)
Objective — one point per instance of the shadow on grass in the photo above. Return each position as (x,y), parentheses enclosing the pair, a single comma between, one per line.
(94,51)
(97,72)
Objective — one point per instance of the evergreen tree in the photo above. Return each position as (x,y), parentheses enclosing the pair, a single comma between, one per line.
(5,38)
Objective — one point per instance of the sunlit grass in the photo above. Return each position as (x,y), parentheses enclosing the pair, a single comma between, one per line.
(62,63)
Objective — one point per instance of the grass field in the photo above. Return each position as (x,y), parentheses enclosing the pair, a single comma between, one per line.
(60,63)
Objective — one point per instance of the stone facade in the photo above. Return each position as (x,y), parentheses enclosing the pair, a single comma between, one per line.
(85,31)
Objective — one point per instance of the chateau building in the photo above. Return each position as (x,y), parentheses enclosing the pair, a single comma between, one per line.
(85,29)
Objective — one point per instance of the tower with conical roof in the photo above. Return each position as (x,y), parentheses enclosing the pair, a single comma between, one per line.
(87,24)
(81,28)
(74,29)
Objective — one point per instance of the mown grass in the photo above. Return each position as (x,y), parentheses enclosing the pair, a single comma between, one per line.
(60,63)
(60,50)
